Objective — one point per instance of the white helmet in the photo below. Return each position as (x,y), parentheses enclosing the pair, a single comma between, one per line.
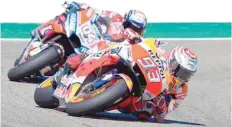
(182,63)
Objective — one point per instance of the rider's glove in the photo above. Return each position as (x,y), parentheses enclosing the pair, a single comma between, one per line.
(159,43)
(131,36)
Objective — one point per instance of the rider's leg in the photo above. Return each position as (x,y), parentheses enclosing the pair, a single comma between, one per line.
(71,64)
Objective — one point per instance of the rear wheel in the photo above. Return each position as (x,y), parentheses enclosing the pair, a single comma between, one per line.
(50,55)
(98,100)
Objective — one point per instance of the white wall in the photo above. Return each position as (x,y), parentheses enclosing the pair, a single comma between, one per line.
(156,10)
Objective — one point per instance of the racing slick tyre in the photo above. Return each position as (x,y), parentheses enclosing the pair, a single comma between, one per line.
(35,63)
(43,97)
(98,102)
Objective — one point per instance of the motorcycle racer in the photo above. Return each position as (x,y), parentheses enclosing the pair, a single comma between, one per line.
(130,27)
(179,66)
(110,25)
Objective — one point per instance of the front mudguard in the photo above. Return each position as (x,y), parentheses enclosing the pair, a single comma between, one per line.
(128,81)
(43,95)
(47,83)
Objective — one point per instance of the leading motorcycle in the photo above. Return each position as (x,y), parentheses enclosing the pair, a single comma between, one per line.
(117,77)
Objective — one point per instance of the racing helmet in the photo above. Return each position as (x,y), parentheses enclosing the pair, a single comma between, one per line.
(136,20)
(182,63)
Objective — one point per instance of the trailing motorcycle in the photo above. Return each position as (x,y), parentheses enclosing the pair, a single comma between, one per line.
(53,41)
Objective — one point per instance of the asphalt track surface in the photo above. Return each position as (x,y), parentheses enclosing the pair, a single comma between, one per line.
(207,104)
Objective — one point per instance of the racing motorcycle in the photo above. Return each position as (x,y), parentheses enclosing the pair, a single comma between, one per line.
(53,41)
(113,78)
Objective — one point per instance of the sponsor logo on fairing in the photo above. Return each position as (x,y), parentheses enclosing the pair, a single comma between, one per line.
(73,22)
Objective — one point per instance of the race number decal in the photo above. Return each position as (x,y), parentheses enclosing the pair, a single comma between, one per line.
(146,62)
(86,29)
(89,33)
(151,69)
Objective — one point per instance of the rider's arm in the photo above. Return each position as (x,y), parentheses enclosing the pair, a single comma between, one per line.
(115,30)
(115,17)
(172,100)
(177,98)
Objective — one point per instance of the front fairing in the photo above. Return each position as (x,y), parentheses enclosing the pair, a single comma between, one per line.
(69,83)
(66,87)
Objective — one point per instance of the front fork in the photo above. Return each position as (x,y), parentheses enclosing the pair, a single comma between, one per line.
(41,38)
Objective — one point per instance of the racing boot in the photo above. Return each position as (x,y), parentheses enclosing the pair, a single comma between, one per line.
(146,111)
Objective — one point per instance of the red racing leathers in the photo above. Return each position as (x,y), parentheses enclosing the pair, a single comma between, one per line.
(115,33)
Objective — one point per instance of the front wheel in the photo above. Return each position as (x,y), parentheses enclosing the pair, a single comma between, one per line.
(98,100)
(33,65)
(43,95)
